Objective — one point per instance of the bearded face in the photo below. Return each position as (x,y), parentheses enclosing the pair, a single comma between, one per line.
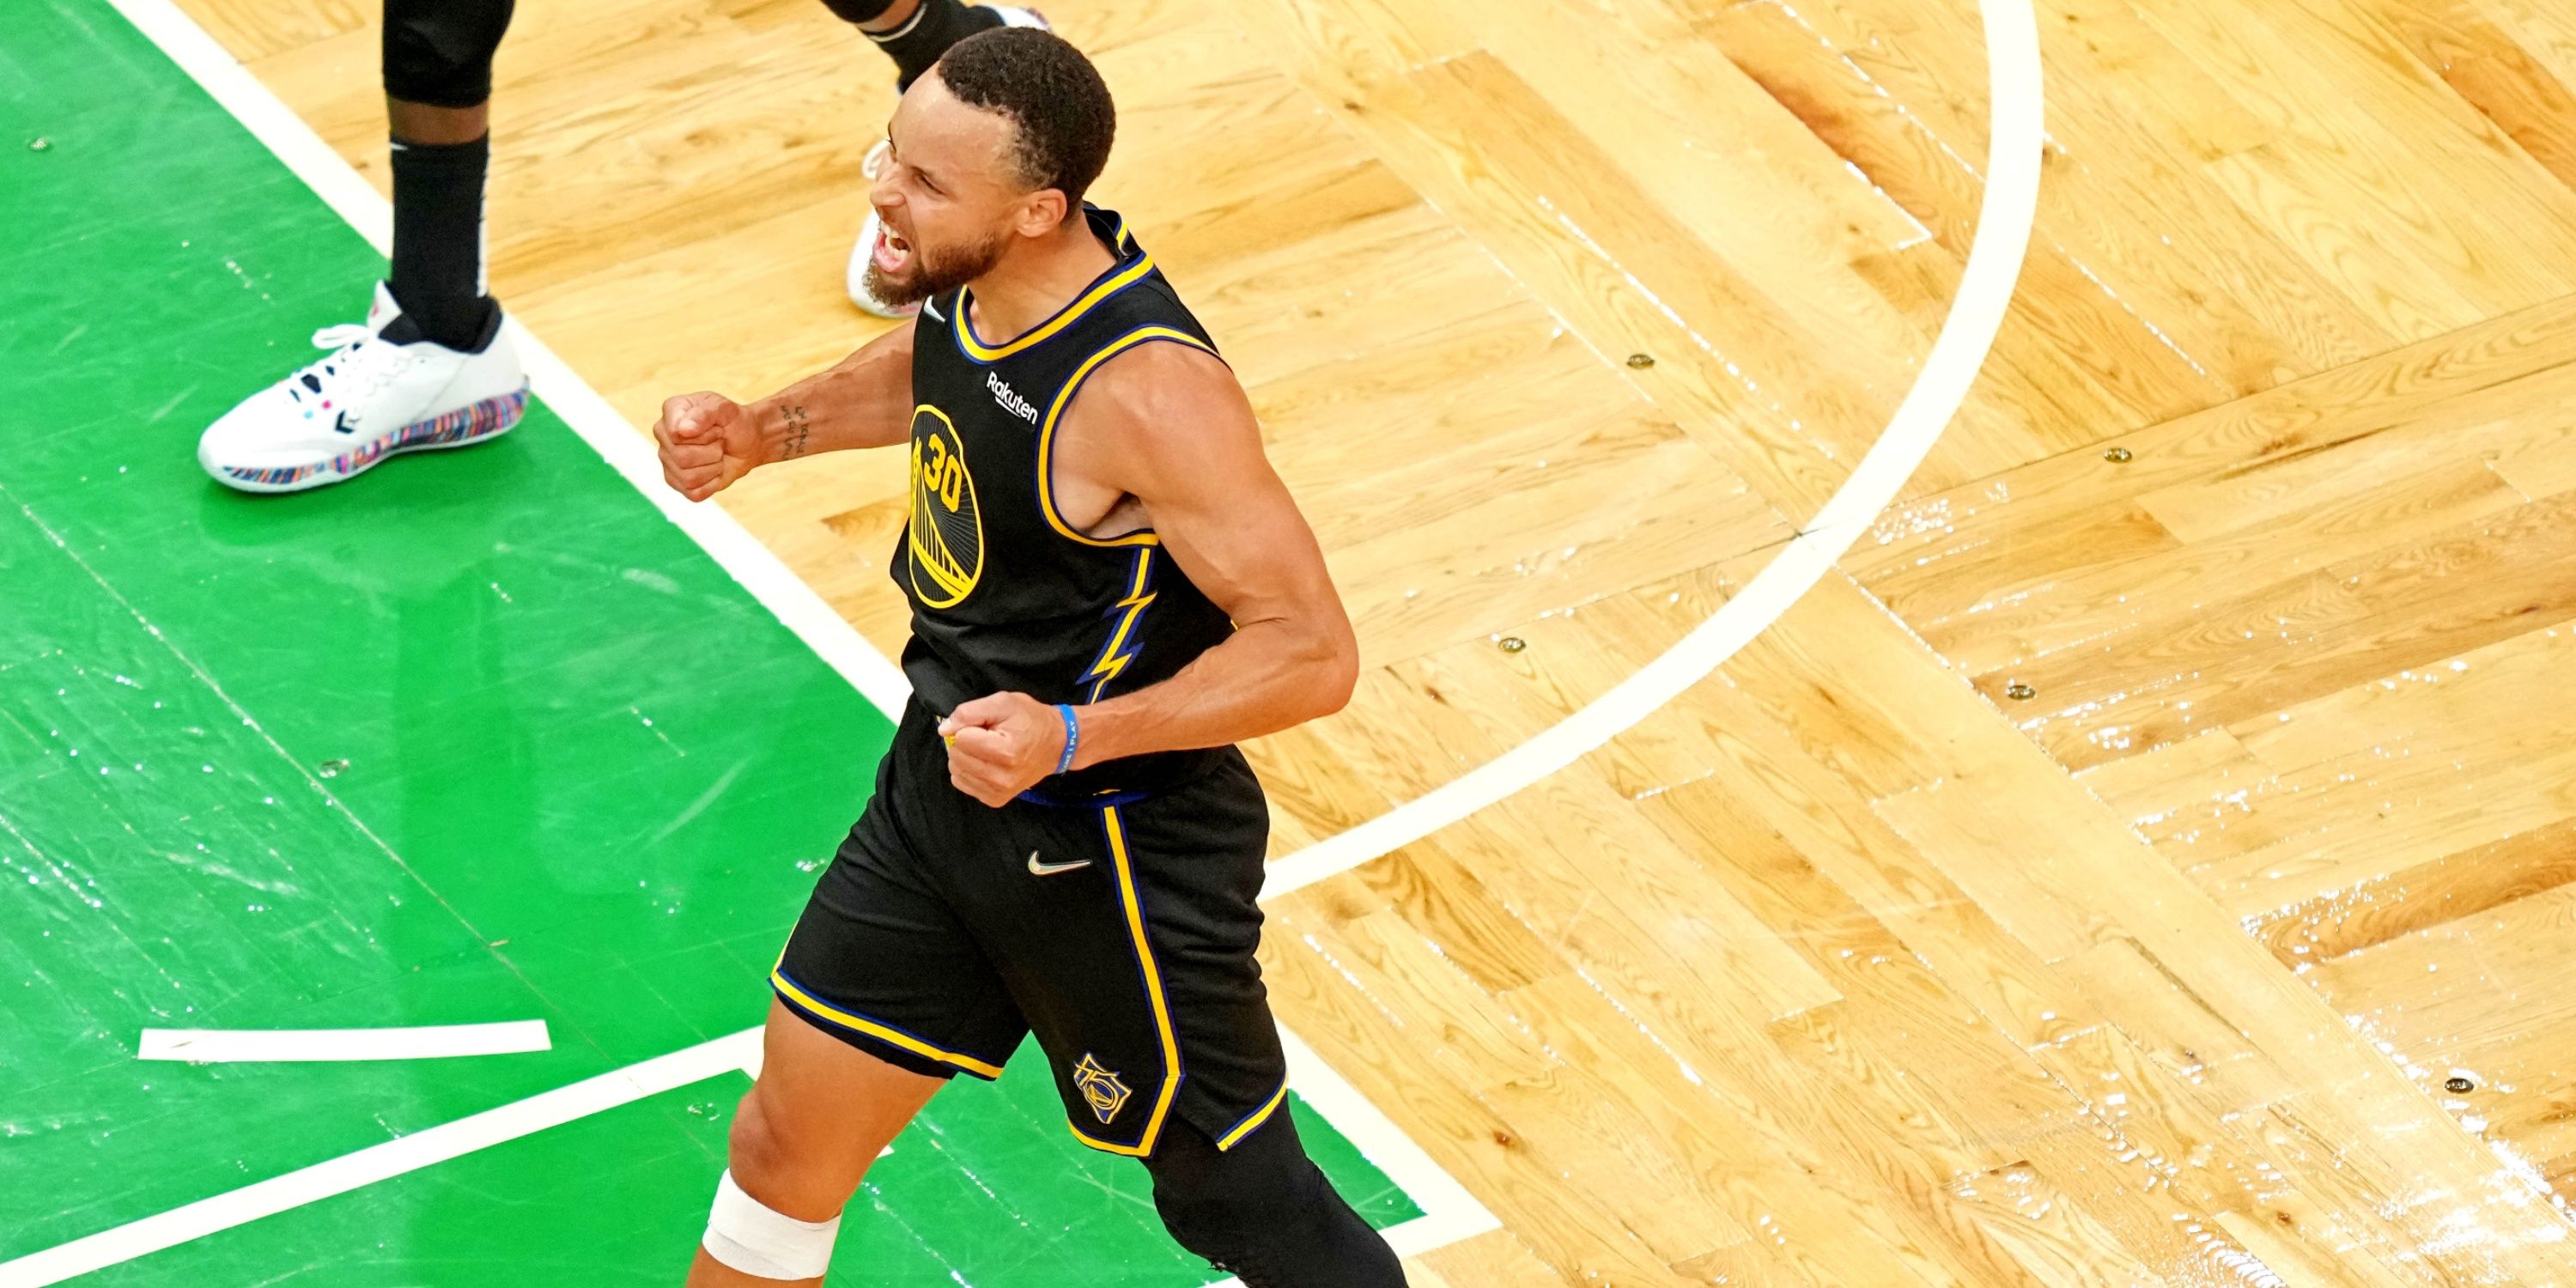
(950,194)
(909,266)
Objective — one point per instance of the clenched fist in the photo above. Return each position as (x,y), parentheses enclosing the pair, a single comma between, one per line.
(707,442)
(1001,746)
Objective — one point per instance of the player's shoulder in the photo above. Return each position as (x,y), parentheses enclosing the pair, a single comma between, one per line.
(1155,355)
(1151,383)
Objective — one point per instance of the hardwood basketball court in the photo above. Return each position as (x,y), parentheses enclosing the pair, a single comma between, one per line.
(2147,856)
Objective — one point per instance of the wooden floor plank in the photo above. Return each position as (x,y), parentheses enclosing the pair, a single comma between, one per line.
(1847,965)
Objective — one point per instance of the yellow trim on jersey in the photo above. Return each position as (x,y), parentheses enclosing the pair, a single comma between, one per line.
(881,1032)
(1073,312)
(1063,399)
(1153,992)
(1259,1116)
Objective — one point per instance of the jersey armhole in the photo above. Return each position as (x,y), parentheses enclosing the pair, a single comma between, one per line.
(1064,398)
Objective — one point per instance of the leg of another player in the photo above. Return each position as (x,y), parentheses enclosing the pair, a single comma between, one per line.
(819,1114)
(429,368)
(1264,1211)
(914,33)
(438,90)
(430,123)
(895,14)
(440,157)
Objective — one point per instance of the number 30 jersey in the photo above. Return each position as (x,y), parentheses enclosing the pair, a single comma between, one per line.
(1007,596)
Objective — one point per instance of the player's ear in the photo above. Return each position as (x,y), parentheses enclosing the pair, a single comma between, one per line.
(1043,212)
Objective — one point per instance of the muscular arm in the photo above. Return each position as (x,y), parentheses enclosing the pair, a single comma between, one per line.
(708,441)
(1162,436)
(864,400)
(1168,426)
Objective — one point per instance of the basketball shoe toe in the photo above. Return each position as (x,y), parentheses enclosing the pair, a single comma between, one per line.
(374,395)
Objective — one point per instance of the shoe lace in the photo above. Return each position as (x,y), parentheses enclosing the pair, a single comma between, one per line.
(355,356)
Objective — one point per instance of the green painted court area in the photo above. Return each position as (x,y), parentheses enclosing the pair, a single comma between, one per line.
(478,737)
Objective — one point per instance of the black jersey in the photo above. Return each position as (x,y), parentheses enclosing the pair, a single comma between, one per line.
(1006,595)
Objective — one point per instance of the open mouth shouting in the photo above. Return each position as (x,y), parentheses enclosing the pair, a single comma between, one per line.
(892,254)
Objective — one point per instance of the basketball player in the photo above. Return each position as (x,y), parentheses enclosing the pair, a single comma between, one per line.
(1109,588)
(429,368)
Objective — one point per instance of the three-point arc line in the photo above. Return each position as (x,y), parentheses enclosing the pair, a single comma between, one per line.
(2007,212)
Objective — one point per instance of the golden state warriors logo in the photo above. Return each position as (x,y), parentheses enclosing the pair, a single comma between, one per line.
(1106,1094)
(946,534)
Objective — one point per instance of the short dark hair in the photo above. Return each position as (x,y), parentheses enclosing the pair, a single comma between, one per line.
(1061,118)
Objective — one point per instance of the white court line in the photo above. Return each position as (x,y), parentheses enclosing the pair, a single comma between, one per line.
(380,1162)
(743,557)
(2008,209)
(1449,1212)
(2004,219)
(414,1042)
(1446,1205)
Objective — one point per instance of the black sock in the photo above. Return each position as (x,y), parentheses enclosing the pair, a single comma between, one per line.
(438,240)
(933,27)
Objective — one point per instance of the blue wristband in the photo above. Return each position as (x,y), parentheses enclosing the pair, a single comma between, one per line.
(1072,736)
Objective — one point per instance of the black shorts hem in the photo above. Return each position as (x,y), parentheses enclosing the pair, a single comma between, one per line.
(884,1041)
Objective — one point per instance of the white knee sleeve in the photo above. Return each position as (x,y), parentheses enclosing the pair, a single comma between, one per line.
(756,1239)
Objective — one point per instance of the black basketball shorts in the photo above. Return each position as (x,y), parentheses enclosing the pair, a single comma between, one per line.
(1120,930)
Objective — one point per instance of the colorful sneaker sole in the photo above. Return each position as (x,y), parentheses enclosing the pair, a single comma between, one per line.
(463,427)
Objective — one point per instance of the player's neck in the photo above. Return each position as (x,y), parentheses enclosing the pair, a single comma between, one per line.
(1037,279)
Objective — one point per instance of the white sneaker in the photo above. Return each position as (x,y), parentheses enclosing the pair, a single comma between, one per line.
(873,231)
(369,400)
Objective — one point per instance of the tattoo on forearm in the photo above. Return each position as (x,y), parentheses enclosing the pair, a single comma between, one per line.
(797,428)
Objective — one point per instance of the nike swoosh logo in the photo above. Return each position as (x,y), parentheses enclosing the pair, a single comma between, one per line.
(933,311)
(1037,869)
